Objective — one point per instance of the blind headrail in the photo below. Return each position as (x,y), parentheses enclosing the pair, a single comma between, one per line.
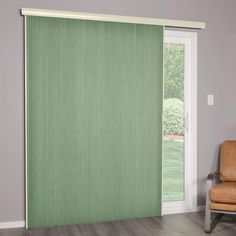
(113,18)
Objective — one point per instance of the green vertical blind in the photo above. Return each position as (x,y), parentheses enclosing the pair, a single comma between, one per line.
(94,129)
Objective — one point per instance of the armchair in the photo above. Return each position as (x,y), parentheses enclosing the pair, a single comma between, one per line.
(221,187)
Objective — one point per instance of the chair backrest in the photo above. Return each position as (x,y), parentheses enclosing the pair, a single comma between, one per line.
(228,161)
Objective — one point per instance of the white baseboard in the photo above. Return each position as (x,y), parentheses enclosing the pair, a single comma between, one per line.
(12,224)
(200,208)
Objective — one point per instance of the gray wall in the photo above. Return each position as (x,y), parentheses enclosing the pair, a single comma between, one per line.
(216,75)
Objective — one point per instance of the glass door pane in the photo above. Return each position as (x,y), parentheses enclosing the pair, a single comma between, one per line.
(173,123)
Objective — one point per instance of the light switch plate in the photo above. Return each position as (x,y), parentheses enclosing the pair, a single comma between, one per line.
(210,99)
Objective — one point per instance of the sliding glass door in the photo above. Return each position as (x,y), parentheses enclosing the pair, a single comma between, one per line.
(179,122)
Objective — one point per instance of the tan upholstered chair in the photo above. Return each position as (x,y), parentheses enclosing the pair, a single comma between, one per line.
(221,186)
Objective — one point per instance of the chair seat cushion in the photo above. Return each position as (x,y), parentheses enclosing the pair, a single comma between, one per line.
(222,206)
(224,193)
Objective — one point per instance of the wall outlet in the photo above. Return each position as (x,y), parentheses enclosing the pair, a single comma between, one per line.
(210,99)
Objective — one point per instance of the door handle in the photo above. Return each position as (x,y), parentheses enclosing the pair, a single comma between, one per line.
(186,122)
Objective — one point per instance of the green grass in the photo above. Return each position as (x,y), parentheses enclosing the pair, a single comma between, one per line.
(173,170)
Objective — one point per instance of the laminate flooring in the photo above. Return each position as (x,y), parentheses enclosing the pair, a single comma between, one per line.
(190,224)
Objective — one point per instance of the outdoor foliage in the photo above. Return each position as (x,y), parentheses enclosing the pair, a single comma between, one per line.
(173,116)
(174,71)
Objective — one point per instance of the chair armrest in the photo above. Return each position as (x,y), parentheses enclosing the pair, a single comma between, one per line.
(212,179)
(214,174)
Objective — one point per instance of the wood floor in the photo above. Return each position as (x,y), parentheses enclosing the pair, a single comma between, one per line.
(190,224)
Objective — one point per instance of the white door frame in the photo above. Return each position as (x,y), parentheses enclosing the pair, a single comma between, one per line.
(189,39)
